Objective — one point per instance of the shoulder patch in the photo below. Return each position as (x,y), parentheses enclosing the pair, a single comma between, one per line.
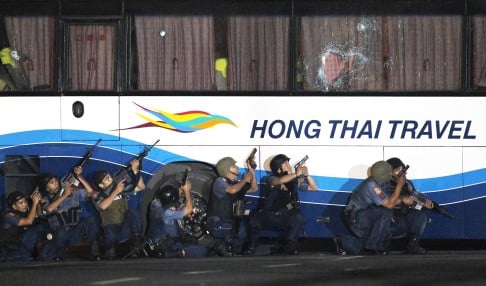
(379,193)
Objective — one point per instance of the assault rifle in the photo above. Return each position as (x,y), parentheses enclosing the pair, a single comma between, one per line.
(251,159)
(122,174)
(420,198)
(70,177)
(301,162)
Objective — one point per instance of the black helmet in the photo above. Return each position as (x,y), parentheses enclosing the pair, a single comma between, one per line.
(168,195)
(14,197)
(277,162)
(395,163)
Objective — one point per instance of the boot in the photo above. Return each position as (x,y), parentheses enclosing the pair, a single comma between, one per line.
(95,251)
(413,246)
(110,253)
(291,248)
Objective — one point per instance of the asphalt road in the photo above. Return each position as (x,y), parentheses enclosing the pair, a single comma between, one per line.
(308,268)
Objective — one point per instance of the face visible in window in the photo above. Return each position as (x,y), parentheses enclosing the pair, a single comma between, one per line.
(53,185)
(21,205)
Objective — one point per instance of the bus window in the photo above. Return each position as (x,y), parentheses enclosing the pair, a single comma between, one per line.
(91,54)
(175,53)
(478,55)
(258,53)
(27,53)
(380,53)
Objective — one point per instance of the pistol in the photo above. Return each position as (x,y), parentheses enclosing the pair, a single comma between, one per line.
(403,171)
(301,162)
(251,159)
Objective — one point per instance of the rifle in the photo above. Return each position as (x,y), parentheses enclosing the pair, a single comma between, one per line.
(251,159)
(70,177)
(420,198)
(122,174)
(301,162)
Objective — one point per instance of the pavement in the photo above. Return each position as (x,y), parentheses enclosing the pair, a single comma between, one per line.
(438,267)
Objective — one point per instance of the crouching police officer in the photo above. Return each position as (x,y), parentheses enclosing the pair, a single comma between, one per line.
(225,220)
(170,207)
(281,207)
(19,231)
(409,220)
(368,214)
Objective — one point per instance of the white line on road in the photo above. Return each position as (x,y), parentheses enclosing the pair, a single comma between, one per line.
(116,281)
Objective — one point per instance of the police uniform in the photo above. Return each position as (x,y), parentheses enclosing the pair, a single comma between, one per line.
(71,223)
(408,221)
(221,218)
(368,221)
(18,243)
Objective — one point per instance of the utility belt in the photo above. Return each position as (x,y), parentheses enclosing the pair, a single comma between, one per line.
(66,219)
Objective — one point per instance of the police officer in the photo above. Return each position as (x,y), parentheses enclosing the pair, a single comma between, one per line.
(280,207)
(19,233)
(409,220)
(368,213)
(62,206)
(226,203)
(119,225)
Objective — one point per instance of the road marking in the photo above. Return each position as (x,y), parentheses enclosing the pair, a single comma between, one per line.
(201,272)
(116,281)
(281,265)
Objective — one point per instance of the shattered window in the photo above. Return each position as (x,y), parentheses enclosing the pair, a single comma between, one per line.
(27,53)
(379,53)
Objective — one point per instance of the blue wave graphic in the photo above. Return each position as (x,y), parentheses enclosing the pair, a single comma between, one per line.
(452,189)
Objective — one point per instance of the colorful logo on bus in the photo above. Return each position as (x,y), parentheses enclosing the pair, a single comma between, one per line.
(184,122)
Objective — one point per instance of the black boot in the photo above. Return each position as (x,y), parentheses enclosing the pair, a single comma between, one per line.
(291,248)
(95,251)
(413,246)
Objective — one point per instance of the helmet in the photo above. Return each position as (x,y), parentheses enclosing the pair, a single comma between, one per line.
(395,163)
(168,195)
(14,197)
(381,171)
(223,165)
(277,162)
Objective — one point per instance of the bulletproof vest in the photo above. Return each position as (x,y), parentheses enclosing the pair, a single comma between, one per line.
(280,197)
(9,232)
(67,214)
(222,207)
(115,213)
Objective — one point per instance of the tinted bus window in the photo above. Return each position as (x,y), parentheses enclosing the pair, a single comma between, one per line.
(479,57)
(27,56)
(380,53)
(91,57)
(202,53)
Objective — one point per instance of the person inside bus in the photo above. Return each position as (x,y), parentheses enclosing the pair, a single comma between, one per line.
(19,231)
(119,225)
(281,210)
(226,219)
(409,220)
(368,214)
(69,222)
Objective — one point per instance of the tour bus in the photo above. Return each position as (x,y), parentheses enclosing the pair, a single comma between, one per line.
(346,83)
